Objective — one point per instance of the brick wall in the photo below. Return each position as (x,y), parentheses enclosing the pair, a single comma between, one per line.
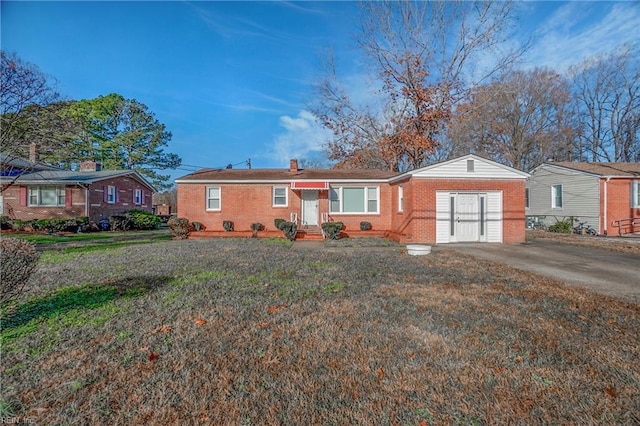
(618,204)
(244,204)
(16,206)
(418,224)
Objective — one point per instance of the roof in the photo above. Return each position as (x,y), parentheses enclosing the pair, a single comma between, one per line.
(66,177)
(12,161)
(284,175)
(482,168)
(602,169)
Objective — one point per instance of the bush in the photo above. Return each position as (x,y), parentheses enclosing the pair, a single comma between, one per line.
(5,223)
(144,220)
(278,223)
(21,225)
(562,226)
(227,225)
(365,226)
(332,229)
(255,227)
(18,259)
(290,230)
(120,222)
(179,228)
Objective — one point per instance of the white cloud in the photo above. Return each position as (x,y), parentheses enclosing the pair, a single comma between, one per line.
(303,137)
(579,30)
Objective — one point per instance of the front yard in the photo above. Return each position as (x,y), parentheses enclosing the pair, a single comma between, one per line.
(252,331)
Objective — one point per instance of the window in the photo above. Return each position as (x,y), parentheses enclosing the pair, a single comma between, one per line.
(111,194)
(137,196)
(46,196)
(280,196)
(213,198)
(400,198)
(351,199)
(635,194)
(556,197)
(526,197)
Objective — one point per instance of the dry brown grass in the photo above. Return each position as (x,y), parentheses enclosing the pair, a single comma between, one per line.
(628,244)
(253,332)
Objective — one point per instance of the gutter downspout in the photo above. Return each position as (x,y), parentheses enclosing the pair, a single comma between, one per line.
(606,223)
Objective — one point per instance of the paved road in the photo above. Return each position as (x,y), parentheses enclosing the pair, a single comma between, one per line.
(603,271)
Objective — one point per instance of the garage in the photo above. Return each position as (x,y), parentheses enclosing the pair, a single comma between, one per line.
(468,217)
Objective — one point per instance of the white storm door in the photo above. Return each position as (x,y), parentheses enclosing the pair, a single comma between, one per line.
(467,217)
(309,208)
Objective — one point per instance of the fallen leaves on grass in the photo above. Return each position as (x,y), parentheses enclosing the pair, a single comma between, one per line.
(200,321)
(153,356)
(610,390)
(275,308)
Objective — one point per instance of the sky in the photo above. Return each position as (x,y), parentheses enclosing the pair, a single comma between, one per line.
(233,81)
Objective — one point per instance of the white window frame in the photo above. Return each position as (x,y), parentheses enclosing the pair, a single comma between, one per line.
(400,198)
(111,194)
(137,197)
(635,194)
(208,198)
(35,193)
(339,190)
(274,197)
(554,197)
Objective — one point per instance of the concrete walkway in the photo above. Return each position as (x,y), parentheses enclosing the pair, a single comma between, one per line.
(603,271)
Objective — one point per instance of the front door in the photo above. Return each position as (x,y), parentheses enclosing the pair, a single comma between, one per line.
(467,217)
(309,208)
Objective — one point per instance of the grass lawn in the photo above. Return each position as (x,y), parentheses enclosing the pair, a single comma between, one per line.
(251,331)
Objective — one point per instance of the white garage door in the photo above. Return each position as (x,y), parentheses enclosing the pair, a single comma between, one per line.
(468,217)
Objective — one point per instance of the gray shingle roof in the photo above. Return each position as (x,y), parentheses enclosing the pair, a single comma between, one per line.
(286,175)
(603,169)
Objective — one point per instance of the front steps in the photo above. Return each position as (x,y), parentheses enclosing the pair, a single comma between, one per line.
(311,233)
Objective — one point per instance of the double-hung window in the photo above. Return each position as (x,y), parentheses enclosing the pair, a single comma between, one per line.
(280,196)
(354,199)
(46,195)
(111,194)
(400,198)
(556,197)
(137,196)
(635,194)
(213,198)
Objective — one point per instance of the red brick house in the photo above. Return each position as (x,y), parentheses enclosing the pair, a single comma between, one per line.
(47,192)
(606,196)
(468,199)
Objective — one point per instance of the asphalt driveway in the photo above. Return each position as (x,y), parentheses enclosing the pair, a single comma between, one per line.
(603,271)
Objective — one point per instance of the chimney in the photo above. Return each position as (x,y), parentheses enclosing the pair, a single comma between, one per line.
(293,165)
(34,157)
(89,166)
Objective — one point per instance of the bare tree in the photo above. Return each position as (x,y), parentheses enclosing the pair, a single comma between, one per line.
(520,120)
(423,56)
(22,86)
(607,95)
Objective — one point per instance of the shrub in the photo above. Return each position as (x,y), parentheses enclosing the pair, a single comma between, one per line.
(255,227)
(290,230)
(18,259)
(562,226)
(179,228)
(144,220)
(120,222)
(278,223)
(20,225)
(332,229)
(227,225)
(365,226)
(5,223)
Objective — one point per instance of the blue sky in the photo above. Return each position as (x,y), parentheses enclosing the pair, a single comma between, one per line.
(231,80)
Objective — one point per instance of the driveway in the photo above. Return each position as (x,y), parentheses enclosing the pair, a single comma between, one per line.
(603,271)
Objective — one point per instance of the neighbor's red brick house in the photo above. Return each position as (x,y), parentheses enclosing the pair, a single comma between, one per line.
(43,192)
(461,200)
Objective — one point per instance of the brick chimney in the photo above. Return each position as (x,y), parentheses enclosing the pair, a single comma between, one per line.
(34,156)
(293,165)
(89,166)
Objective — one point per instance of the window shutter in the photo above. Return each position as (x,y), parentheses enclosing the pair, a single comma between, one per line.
(142,197)
(67,196)
(117,194)
(23,196)
(105,194)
